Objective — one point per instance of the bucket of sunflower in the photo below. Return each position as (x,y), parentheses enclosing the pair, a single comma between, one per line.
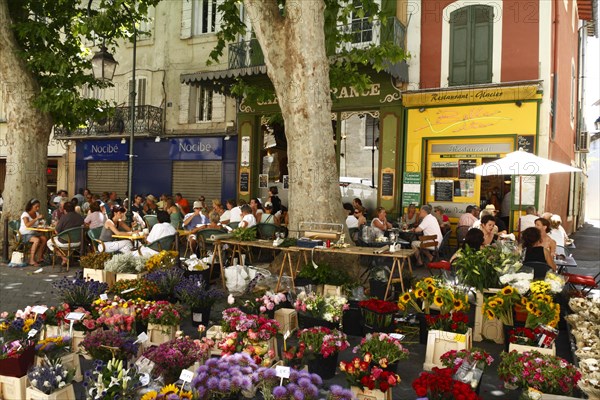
(501,306)
(448,330)
(420,299)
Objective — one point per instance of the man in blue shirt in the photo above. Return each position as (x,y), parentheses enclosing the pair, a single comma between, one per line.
(192,222)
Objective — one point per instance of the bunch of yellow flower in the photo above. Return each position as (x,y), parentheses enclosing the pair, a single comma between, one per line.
(541,310)
(501,305)
(163,260)
(167,392)
(539,287)
(430,291)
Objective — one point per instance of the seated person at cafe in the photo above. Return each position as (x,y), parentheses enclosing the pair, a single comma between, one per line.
(531,243)
(161,229)
(429,226)
(235,214)
(442,218)
(411,218)
(110,228)
(488,223)
(499,223)
(193,222)
(71,219)
(214,223)
(473,239)
(380,222)
(528,220)
(351,222)
(95,217)
(558,233)
(469,217)
(248,220)
(268,217)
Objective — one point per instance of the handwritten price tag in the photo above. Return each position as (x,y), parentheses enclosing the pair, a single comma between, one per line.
(286,335)
(397,336)
(144,379)
(39,309)
(142,337)
(186,375)
(103,297)
(75,316)
(32,333)
(282,371)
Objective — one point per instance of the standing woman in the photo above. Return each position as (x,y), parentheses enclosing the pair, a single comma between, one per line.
(30,219)
(110,228)
(547,242)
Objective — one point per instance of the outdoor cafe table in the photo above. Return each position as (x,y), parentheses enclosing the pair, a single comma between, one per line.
(134,239)
(564,261)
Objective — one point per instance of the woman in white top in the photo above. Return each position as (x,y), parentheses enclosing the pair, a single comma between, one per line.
(557,232)
(268,217)
(248,220)
(110,228)
(95,217)
(257,208)
(30,219)
(381,222)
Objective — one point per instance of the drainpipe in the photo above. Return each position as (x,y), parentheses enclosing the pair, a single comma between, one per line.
(554,71)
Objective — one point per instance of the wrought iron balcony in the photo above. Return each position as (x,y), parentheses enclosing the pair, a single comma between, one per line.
(362,33)
(148,122)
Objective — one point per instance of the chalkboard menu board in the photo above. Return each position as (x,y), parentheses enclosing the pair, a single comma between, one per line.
(464,166)
(244,182)
(526,142)
(387,184)
(444,191)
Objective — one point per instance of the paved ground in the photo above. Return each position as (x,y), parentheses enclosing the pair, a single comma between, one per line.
(26,286)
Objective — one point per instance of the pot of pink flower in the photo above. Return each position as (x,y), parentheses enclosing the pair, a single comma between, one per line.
(382,350)
(163,321)
(319,348)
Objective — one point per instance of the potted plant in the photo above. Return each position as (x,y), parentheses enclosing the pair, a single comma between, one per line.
(105,345)
(532,369)
(131,289)
(50,381)
(323,274)
(368,381)
(54,321)
(199,297)
(382,350)
(175,355)
(318,310)
(110,380)
(225,377)
(440,385)
(78,292)
(468,365)
(475,268)
(252,334)
(163,321)
(125,266)
(378,315)
(268,303)
(319,347)
(166,280)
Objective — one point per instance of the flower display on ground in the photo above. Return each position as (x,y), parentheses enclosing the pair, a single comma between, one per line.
(330,308)
(165,313)
(501,305)
(107,344)
(52,347)
(168,392)
(381,349)
(78,292)
(360,372)
(142,288)
(110,380)
(454,359)
(163,260)
(439,385)
(320,341)
(546,373)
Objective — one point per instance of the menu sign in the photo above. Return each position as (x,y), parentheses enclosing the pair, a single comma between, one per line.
(387,183)
(443,190)
(464,166)
(244,182)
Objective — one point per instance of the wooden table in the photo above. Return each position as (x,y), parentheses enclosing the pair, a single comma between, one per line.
(134,239)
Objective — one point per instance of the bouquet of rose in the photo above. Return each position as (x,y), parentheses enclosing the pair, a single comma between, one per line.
(52,347)
(360,372)
(180,353)
(105,345)
(439,385)
(546,373)
(225,376)
(381,349)
(165,313)
(50,377)
(111,381)
(255,327)
(454,322)
(268,302)
(329,308)
(377,313)
(523,336)
(322,341)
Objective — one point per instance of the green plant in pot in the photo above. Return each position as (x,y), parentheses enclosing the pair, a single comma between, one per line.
(95,260)
(244,234)
(325,274)
(475,268)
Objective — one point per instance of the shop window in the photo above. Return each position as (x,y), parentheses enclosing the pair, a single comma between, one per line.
(371,131)
(471,45)
(363,28)
(204,16)
(359,155)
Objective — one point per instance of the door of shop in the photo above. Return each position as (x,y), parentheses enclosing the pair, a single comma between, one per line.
(195,178)
(107,176)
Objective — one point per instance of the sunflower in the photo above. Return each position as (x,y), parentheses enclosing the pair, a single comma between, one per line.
(149,395)
(493,304)
(523,301)
(438,301)
(458,305)
(538,313)
(405,298)
(500,301)
(507,291)
(169,389)
(430,289)
(419,293)
(185,395)
(490,314)
(540,296)
(428,281)
(530,306)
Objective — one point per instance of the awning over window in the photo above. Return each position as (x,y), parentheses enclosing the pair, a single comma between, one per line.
(221,81)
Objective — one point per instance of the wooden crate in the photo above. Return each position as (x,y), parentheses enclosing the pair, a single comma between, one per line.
(100,275)
(13,388)
(122,277)
(287,319)
(521,348)
(66,393)
(485,328)
(76,340)
(440,342)
(366,394)
(69,361)
(52,331)
(159,334)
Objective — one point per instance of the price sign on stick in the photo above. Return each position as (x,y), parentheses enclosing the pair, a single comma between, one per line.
(39,309)
(103,297)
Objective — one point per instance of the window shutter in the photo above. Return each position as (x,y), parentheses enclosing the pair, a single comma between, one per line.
(184,103)
(140,98)
(186,19)
(459,47)
(218,112)
(481,56)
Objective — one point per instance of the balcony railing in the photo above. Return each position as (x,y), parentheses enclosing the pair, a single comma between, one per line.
(148,122)
(248,53)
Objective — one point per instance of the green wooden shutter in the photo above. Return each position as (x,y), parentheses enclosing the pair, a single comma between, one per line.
(471,41)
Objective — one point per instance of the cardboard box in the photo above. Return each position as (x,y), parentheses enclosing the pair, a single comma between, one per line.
(100,275)
(366,394)
(287,319)
(521,348)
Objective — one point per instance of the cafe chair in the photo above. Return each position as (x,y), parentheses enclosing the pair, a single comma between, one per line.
(205,243)
(233,225)
(94,236)
(427,254)
(66,244)
(444,249)
(150,220)
(442,267)
(587,283)
(16,238)
(354,234)
(164,243)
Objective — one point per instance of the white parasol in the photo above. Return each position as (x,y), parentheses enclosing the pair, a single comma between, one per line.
(521,163)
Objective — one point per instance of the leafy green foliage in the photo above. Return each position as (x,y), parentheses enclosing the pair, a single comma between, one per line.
(244,234)
(55,38)
(475,268)
(325,275)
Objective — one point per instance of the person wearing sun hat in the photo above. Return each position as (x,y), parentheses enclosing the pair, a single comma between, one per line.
(193,221)
(150,206)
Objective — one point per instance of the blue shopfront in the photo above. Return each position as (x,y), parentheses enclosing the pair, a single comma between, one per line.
(193,166)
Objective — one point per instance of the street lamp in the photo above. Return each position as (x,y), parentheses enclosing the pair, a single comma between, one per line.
(104,65)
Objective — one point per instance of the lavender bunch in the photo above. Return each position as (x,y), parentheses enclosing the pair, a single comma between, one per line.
(196,293)
(166,279)
(79,291)
(94,342)
(225,376)
(49,378)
